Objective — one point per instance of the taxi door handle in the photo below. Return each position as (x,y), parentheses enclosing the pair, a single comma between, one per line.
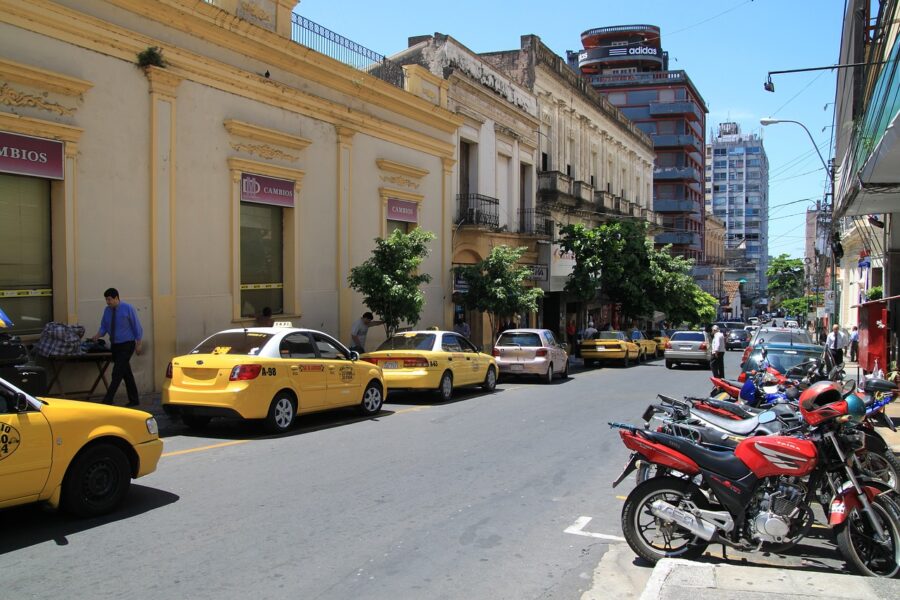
(331,368)
(295,370)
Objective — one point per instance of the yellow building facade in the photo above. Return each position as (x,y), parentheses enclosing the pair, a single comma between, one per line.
(243,171)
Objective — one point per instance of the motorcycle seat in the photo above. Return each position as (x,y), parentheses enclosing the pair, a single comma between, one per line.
(735,409)
(737,427)
(718,461)
(876,384)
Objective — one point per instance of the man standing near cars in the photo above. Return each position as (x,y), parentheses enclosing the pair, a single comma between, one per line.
(360,330)
(718,352)
(836,342)
(121,322)
(854,344)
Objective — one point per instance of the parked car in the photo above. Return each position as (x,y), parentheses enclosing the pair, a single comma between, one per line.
(438,361)
(791,324)
(776,335)
(609,345)
(753,320)
(531,352)
(737,338)
(688,347)
(780,356)
(269,373)
(661,337)
(80,456)
(646,345)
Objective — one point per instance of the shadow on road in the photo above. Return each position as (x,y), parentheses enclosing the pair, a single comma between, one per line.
(35,524)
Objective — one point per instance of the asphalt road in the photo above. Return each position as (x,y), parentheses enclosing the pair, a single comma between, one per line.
(466,499)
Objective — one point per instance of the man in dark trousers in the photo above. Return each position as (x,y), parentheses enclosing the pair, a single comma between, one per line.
(121,322)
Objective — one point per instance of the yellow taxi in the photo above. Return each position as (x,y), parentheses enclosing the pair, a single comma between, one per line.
(269,373)
(76,455)
(433,360)
(661,338)
(609,345)
(647,346)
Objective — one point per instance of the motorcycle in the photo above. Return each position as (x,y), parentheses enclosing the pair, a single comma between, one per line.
(760,495)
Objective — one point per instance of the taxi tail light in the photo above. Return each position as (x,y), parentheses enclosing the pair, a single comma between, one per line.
(540,352)
(413,363)
(244,372)
(703,346)
(169,371)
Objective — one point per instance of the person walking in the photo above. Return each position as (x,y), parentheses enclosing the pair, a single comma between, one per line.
(854,344)
(360,330)
(836,341)
(461,327)
(121,323)
(718,352)
(571,334)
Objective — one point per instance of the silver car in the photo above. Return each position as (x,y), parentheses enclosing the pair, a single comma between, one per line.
(531,352)
(688,347)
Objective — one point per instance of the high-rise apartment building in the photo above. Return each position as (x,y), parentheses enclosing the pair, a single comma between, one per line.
(626,63)
(737,191)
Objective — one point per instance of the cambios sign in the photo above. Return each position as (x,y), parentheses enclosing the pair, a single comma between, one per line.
(37,157)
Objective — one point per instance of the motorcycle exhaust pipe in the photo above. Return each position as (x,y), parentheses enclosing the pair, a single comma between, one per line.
(673,514)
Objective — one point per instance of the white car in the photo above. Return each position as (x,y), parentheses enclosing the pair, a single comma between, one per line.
(792,324)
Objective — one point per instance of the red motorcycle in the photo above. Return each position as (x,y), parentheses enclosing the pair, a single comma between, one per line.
(759,496)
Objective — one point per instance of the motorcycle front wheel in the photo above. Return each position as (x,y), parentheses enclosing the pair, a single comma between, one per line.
(857,544)
(650,537)
(882,465)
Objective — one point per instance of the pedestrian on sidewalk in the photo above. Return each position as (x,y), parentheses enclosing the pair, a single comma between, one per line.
(461,327)
(836,341)
(360,330)
(718,353)
(854,344)
(571,334)
(121,322)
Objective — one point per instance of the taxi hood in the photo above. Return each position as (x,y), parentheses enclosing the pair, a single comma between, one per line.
(80,410)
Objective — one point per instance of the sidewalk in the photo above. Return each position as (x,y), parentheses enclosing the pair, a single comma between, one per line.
(892,410)
(677,579)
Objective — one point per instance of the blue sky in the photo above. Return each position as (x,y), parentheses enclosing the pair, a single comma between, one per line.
(726,47)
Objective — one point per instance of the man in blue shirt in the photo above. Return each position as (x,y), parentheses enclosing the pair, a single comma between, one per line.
(121,322)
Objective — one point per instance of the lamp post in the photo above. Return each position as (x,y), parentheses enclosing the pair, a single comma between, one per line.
(766,121)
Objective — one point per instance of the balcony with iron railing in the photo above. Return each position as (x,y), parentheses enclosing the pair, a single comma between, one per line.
(535,222)
(324,41)
(479,210)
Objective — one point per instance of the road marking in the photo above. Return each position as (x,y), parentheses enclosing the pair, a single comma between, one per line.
(622,497)
(577,529)
(202,448)
(413,409)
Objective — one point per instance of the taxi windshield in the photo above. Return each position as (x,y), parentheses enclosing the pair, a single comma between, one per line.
(233,342)
(409,341)
(610,335)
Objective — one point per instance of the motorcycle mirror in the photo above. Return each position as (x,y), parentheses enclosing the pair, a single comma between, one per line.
(848,386)
(767,417)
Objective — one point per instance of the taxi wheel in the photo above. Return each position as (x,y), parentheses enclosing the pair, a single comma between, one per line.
(97,480)
(445,387)
(490,380)
(372,399)
(281,413)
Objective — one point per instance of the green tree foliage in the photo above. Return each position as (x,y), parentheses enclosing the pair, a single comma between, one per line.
(389,280)
(785,277)
(802,305)
(672,287)
(614,258)
(497,285)
(705,307)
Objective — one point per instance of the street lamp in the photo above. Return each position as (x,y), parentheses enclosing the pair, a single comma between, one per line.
(766,121)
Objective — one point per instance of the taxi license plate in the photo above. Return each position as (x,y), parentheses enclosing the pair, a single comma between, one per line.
(516,367)
(391,364)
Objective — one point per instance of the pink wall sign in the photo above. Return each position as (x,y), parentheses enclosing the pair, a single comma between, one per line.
(402,210)
(266,190)
(37,157)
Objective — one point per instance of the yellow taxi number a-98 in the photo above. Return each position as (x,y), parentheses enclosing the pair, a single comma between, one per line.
(267,371)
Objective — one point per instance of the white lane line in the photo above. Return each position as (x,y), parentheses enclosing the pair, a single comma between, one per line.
(578,527)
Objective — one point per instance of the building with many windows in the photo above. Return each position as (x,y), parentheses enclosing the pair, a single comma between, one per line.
(238,167)
(737,191)
(627,65)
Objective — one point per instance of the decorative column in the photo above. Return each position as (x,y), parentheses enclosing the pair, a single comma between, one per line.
(163,85)
(344,227)
(447,220)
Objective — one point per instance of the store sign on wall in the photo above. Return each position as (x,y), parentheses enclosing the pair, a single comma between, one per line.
(36,157)
(402,210)
(266,190)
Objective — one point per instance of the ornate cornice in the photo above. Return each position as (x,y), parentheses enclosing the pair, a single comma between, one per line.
(42,79)
(264,151)
(40,128)
(401,169)
(162,81)
(12,97)
(265,135)
(399,194)
(345,134)
(260,168)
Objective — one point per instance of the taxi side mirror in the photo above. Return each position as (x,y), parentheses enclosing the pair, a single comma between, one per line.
(354,355)
(21,403)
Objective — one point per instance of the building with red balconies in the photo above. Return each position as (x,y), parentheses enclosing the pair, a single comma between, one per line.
(627,65)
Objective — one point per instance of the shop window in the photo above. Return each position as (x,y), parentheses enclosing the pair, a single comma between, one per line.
(262,252)
(393,226)
(26,276)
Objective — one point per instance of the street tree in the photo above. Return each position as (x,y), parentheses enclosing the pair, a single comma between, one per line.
(389,280)
(496,285)
(613,257)
(802,305)
(785,278)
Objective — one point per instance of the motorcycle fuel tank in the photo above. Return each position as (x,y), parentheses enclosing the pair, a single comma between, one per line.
(777,455)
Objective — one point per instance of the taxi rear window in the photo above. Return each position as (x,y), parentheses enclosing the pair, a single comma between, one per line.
(409,341)
(233,342)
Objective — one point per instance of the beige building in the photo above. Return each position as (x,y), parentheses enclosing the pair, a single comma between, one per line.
(860,269)
(595,164)
(245,171)
(714,253)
